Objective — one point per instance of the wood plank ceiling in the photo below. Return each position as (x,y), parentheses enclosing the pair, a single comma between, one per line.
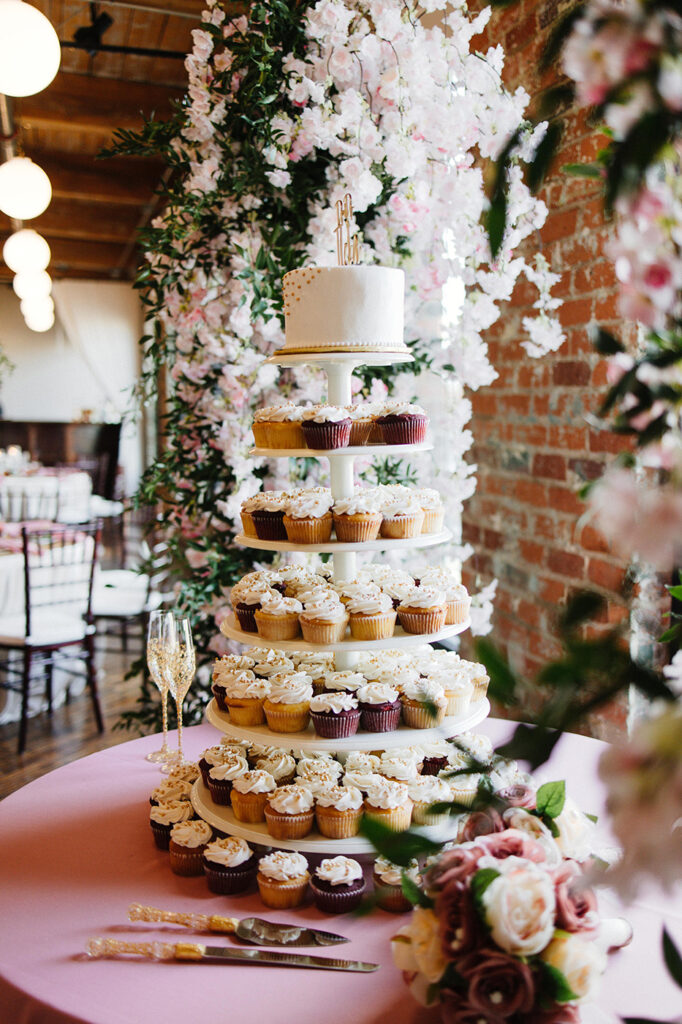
(98,205)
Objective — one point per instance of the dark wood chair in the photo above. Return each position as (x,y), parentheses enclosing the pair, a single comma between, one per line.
(56,624)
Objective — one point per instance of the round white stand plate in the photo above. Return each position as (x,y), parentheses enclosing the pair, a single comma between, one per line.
(326,359)
(424,540)
(223,818)
(400,638)
(333,453)
(403,736)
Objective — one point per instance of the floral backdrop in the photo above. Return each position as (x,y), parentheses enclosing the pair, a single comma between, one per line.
(290,106)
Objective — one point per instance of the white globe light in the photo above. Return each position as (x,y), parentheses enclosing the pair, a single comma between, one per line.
(25,189)
(26,250)
(32,284)
(37,306)
(29,49)
(39,322)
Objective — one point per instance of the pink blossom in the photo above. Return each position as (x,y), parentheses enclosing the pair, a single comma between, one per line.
(576,904)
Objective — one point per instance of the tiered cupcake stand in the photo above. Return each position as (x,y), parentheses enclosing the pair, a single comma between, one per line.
(339,369)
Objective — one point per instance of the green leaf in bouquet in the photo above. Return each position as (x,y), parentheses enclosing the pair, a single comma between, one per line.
(603,341)
(550,799)
(584,171)
(673,960)
(413,893)
(398,847)
(585,605)
(544,154)
(503,682)
(533,744)
(479,883)
(555,984)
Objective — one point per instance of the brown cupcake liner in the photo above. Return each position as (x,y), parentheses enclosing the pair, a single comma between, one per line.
(372,627)
(416,716)
(277,627)
(186,862)
(269,525)
(335,824)
(403,526)
(457,611)
(248,525)
(327,436)
(219,694)
(375,434)
(246,617)
(382,720)
(358,527)
(245,711)
(161,835)
(282,895)
(360,432)
(249,807)
(410,429)
(287,718)
(316,632)
(288,826)
(231,881)
(287,434)
(309,531)
(396,818)
(335,727)
(434,519)
(220,791)
(390,897)
(337,902)
(428,621)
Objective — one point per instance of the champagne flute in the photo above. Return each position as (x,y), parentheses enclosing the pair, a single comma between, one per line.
(180,667)
(158,640)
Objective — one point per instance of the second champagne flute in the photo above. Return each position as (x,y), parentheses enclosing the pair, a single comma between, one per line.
(159,637)
(180,668)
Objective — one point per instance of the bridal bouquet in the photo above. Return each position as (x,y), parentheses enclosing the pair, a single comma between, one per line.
(501,934)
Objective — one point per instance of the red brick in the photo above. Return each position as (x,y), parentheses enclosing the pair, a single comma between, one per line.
(559,225)
(552,466)
(531,493)
(591,540)
(571,374)
(563,563)
(568,438)
(565,500)
(532,552)
(552,591)
(605,574)
(604,441)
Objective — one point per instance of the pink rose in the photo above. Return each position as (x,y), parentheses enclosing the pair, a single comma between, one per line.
(576,905)
(518,795)
(497,983)
(458,921)
(454,866)
(512,842)
(455,1009)
(481,823)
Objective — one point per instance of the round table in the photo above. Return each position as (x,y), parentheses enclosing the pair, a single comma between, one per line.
(76,850)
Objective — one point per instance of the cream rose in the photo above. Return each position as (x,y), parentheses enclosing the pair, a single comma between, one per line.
(576,832)
(520,907)
(581,962)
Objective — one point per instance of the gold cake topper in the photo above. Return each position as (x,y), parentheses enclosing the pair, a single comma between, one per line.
(346,243)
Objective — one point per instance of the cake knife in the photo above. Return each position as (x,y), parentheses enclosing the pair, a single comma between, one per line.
(251,929)
(197,952)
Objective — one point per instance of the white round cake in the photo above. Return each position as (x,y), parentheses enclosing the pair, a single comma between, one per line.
(344,309)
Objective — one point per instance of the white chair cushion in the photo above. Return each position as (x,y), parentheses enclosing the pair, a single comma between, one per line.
(118,602)
(127,578)
(48,626)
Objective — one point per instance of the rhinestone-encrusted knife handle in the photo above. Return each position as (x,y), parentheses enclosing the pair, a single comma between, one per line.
(100,948)
(199,922)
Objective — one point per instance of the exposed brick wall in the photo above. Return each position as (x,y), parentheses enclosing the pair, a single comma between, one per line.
(534,442)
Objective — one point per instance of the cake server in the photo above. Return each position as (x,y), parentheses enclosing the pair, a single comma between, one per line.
(251,929)
(198,953)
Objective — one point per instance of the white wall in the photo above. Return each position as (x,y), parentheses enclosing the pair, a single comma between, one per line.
(87,361)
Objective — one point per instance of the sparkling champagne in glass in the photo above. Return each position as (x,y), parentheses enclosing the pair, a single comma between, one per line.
(180,668)
(159,637)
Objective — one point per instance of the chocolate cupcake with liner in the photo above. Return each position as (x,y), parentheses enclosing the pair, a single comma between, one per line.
(424,791)
(432,507)
(268,518)
(170,789)
(211,757)
(248,507)
(289,812)
(221,777)
(283,879)
(279,426)
(389,802)
(164,815)
(338,811)
(401,518)
(422,610)
(379,707)
(277,617)
(388,884)
(308,518)
(334,715)
(324,620)
(326,427)
(250,794)
(371,617)
(402,423)
(225,668)
(435,756)
(338,885)
(186,847)
(280,764)
(244,696)
(398,589)
(246,599)
(357,519)
(424,704)
(287,706)
(229,865)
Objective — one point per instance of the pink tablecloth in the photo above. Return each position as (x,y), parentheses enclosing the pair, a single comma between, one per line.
(76,850)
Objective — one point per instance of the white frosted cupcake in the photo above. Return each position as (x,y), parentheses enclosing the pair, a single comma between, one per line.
(389,802)
(279,426)
(334,715)
(432,506)
(346,680)
(289,812)
(308,518)
(424,791)
(357,519)
(287,706)
(244,696)
(338,811)
(324,621)
(187,843)
(230,865)
(279,764)
(388,884)
(338,885)
(221,777)
(371,617)
(326,427)
(401,517)
(250,794)
(277,617)
(283,879)
(424,704)
(422,610)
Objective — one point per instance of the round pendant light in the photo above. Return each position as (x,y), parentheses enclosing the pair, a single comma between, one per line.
(25,189)
(39,322)
(29,49)
(38,306)
(32,284)
(26,250)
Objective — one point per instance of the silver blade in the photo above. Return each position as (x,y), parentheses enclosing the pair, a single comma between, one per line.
(267,956)
(269,933)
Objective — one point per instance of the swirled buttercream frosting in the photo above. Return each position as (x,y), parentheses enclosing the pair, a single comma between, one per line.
(333,703)
(342,798)
(339,871)
(377,693)
(229,852)
(424,597)
(229,770)
(291,800)
(191,833)
(386,794)
(283,865)
(295,688)
(279,764)
(257,781)
(370,604)
(170,812)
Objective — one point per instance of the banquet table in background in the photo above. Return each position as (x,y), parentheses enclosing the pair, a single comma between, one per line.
(76,850)
(56,494)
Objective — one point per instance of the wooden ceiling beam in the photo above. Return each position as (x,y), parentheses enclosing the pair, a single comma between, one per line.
(125,181)
(67,218)
(179,8)
(77,255)
(97,105)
